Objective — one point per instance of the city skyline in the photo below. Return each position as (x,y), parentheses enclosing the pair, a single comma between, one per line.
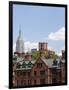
(39,24)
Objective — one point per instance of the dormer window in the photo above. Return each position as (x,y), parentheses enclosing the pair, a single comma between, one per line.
(15,58)
(54,62)
(18,65)
(23,65)
(42,72)
(29,64)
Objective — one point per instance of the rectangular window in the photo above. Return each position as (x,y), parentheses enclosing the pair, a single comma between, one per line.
(21,82)
(42,73)
(54,76)
(39,65)
(34,82)
(29,82)
(17,82)
(28,74)
(24,82)
(24,73)
(18,73)
(21,73)
(35,73)
(54,80)
(42,81)
(41,47)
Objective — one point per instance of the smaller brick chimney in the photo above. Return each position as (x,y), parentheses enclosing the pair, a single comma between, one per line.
(28,57)
(46,45)
(23,55)
(19,54)
(16,53)
(63,54)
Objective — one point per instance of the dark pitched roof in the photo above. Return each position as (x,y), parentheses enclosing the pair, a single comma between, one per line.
(27,65)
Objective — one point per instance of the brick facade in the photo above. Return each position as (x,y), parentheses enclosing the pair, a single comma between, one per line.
(43,46)
(40,74)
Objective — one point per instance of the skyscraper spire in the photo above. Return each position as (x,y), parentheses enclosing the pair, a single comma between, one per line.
(20,43)
(20,31)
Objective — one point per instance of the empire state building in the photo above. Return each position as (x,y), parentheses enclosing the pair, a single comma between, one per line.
(20,43)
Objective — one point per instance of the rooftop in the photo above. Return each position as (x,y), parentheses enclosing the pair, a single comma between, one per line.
(23,64)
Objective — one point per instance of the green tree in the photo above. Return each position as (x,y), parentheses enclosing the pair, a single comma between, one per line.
(46,54)
(55,56)
(35,55)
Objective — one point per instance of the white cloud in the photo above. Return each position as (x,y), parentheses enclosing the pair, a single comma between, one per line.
(60,53)
(59,35)
(30,45)
(27,46)
(50,48)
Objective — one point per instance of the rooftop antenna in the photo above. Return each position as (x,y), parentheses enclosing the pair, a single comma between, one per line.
(19,30)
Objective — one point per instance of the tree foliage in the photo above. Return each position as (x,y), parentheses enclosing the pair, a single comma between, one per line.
(36,54)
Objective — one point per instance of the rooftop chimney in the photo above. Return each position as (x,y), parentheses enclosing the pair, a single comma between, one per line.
(63,54)
(43,46)
(28,57)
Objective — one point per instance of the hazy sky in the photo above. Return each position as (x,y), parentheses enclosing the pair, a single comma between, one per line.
(38,24)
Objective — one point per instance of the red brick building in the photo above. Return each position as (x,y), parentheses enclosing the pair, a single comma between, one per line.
(43,46)
(41,71)
(38,72)
(63,54)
